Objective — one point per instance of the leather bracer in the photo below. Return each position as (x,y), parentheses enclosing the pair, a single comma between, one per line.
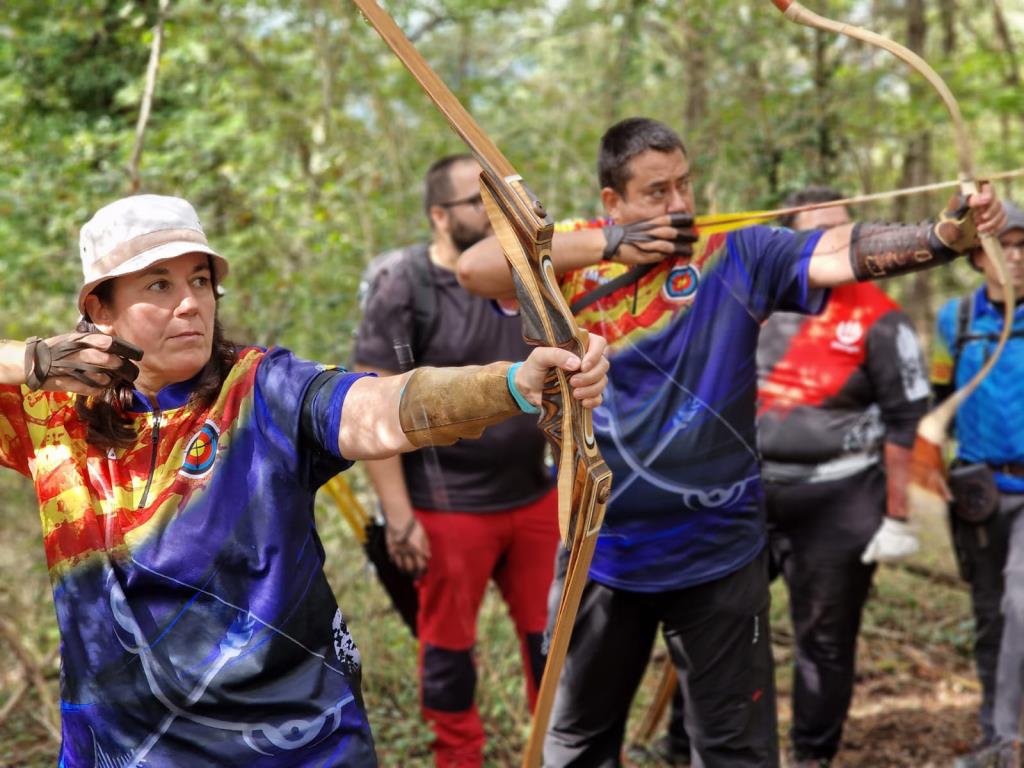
(439,406)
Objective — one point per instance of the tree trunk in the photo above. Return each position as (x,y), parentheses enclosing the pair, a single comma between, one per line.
(825,119)
(917,170)
(618,77)
(1012,77)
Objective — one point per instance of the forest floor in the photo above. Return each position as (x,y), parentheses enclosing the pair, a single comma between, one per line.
(914,704)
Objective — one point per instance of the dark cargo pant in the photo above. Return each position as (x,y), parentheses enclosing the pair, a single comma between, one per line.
(991,559)
(719,639)
(817,533)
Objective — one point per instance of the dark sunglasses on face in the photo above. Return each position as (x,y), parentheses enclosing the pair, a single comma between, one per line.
(475,200)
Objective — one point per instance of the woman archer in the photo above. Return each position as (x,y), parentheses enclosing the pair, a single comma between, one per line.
(176,474)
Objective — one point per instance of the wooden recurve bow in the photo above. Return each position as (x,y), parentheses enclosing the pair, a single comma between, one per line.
(524,230)
(927,489)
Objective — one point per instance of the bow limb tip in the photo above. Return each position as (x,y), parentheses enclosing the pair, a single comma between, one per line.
(927,492)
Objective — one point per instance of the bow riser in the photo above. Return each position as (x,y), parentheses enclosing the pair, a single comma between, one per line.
(584,479)
(524,230)
(526,242)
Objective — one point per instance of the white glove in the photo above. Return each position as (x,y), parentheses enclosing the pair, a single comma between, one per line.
(894,540)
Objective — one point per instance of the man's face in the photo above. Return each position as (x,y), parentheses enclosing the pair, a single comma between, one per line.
(659,183)
(463,216)
(1013,250)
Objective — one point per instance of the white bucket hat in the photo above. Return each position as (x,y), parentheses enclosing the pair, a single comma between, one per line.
(135,232)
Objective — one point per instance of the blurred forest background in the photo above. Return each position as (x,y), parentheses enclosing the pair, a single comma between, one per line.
(302,142)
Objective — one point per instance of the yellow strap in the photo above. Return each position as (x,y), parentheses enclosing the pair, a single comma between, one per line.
(353,512)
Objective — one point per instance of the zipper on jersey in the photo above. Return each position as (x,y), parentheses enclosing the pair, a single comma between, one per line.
(152,461)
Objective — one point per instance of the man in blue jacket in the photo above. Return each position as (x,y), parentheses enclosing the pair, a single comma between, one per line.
(987,481)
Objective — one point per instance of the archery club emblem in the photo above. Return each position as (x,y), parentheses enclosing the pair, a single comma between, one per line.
(201,452)
(849,335)
(682,283)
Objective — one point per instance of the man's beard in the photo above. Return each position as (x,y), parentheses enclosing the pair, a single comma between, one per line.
(464,236)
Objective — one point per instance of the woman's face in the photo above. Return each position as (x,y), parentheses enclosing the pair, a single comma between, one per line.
(167,310)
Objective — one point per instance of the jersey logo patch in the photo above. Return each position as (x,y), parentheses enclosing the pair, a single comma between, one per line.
(848,334)
(201,452)
(682,283)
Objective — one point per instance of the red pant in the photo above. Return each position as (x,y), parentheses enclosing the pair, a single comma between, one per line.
(516,548)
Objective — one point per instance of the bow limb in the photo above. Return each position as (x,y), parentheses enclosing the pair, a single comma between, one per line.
(927,489)
(525,230)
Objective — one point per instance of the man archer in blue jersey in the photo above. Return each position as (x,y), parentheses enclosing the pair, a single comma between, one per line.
(683,542)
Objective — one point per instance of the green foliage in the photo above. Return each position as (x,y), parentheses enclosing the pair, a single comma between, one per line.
(302,142)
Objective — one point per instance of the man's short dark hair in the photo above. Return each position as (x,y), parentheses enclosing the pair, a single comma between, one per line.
(806,196)
(437,187)
(627,139)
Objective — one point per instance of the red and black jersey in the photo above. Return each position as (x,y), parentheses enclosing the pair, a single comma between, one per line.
(839,384)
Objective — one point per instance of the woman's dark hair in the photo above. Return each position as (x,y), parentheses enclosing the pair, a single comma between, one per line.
(106,418)
(627,139)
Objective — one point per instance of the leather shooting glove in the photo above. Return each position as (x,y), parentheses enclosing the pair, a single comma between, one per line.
(955,229)
(678,231)
(81,357)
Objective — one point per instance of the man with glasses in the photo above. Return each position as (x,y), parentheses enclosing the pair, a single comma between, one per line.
(987,484)
(478,510)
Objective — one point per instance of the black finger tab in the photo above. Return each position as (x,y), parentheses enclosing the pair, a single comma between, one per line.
(125,349)
(681,220)
(37,362)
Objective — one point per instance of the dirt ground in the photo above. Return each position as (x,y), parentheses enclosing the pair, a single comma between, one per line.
(916,695)
(923,717)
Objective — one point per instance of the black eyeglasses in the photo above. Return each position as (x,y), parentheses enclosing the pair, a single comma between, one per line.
(475,200)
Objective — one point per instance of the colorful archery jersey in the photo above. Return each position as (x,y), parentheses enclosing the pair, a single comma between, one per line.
(197,625)
(677,423)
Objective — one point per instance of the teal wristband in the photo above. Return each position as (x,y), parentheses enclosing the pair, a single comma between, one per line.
(522,402)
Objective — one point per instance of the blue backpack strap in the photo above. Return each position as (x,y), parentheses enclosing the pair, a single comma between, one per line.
(964,310)
(964,335)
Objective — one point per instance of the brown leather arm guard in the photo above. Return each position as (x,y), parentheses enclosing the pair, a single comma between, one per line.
(441,405)
(885,250)
(49,358)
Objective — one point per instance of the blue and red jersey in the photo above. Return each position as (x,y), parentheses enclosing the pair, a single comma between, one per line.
(677,423)
(197,626)
(835,386)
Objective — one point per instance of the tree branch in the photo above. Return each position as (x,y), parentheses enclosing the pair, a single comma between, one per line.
(147,97)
